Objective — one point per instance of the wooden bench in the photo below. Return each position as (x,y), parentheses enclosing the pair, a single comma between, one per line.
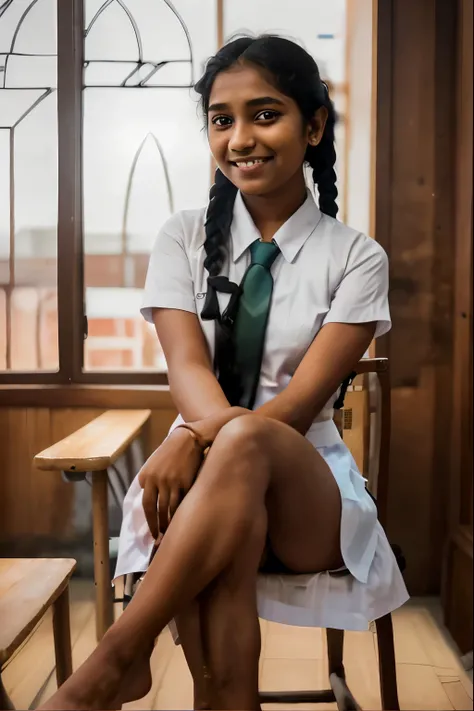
(28,588)
(93,449)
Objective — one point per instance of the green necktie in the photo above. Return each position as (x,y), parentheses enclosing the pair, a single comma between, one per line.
(251,319)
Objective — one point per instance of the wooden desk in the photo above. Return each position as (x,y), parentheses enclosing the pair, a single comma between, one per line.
(94,448)
(28,588)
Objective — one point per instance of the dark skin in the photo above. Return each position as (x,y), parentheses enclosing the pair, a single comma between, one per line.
(261,476)
(248,118)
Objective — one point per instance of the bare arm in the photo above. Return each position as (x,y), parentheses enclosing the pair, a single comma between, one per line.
(170,471)
(193,385)
(333,354)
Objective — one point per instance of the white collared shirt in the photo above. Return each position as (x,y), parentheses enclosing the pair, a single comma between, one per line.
(326,273)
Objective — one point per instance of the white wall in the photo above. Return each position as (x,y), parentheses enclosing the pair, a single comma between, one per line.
(360,128)
(300,20)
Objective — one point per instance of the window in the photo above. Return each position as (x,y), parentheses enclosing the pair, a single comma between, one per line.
(100,141)
(28,186)
(144,156)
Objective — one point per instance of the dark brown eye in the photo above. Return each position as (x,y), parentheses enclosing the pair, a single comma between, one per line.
(221,121)
(267,115)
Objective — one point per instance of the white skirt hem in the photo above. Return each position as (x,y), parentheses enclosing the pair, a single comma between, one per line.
(374,587)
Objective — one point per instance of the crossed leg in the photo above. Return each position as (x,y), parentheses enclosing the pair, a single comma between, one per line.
(260,478)
(304,530)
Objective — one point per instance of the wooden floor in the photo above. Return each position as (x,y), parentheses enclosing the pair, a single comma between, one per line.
(429,671)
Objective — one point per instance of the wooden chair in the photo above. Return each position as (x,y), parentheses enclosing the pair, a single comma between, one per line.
(93,449)
(339,691)
(28,588)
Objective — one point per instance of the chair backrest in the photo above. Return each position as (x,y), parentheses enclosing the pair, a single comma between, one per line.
(380,431)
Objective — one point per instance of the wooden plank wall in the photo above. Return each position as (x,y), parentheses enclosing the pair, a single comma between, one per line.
(414,222)
(458,573)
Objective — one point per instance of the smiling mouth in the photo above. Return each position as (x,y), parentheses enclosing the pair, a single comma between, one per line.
(250,162)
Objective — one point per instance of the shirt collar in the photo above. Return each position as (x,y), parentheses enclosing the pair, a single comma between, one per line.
(291,236)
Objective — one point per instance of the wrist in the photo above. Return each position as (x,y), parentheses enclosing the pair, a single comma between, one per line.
(208,429)
(199,440)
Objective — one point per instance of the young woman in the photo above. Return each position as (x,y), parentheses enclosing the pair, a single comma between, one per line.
(253,474)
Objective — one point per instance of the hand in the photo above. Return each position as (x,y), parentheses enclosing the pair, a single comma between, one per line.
(167,476)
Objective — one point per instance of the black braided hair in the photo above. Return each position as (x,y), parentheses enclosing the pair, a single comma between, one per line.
(322,159)
(218,221)
(223,192)
(296,74)
(217,226)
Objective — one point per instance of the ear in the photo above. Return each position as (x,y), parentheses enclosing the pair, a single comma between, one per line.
(317,126)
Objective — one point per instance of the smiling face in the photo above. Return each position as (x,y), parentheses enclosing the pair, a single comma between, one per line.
(257,135)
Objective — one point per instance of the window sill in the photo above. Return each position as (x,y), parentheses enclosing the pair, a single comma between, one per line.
(155,397)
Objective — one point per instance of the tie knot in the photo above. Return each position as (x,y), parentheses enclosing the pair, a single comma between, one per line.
(264,253)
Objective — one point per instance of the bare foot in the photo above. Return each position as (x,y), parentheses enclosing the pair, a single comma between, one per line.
(136,682)
(106,687)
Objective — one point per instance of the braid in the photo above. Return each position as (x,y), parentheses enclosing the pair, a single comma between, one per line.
(322,159)
(218,222)
(295,73)
(217,227)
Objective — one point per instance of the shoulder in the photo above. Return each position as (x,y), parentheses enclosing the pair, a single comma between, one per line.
(348,246)
(185,227)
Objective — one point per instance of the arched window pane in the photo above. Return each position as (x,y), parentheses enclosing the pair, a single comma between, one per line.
(145,156)
(28,186)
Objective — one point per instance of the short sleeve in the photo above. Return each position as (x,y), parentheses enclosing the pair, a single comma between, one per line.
(169,282)
(362,294)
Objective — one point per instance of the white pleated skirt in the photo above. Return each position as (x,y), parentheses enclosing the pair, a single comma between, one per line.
(374,587)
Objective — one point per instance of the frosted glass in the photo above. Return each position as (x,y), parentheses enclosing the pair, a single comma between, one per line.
(28,164)
(145,156)
(4,204)
(31,72)
(14,104)
(37,32)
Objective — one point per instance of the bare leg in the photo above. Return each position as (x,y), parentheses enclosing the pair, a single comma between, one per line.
(188,623)
(231,630)
(223,657)
(189,558)
(207,633)
(251,457)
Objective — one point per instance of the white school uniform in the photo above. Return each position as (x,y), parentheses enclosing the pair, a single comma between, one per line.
(326,273)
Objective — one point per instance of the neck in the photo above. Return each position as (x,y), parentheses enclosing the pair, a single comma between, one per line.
(269,212)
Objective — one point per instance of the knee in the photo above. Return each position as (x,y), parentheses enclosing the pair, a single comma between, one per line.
(246,435)
(241,448)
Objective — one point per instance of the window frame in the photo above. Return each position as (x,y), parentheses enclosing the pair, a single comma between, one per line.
(70,256)
(72,317)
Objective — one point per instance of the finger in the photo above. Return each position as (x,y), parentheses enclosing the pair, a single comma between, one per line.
(175,500)
(149,503)
(163,508)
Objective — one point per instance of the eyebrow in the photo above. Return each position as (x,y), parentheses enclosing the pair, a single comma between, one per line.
(260,101)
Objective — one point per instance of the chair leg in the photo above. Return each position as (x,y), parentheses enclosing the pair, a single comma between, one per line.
(337,675)
(387,667)
(5,701)
(335,642)
(344,699)
(62,637)
(100,524)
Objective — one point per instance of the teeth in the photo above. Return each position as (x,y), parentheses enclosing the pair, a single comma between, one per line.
(249,163)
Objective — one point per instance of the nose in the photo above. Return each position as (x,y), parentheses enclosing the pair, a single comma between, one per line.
(242,139)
